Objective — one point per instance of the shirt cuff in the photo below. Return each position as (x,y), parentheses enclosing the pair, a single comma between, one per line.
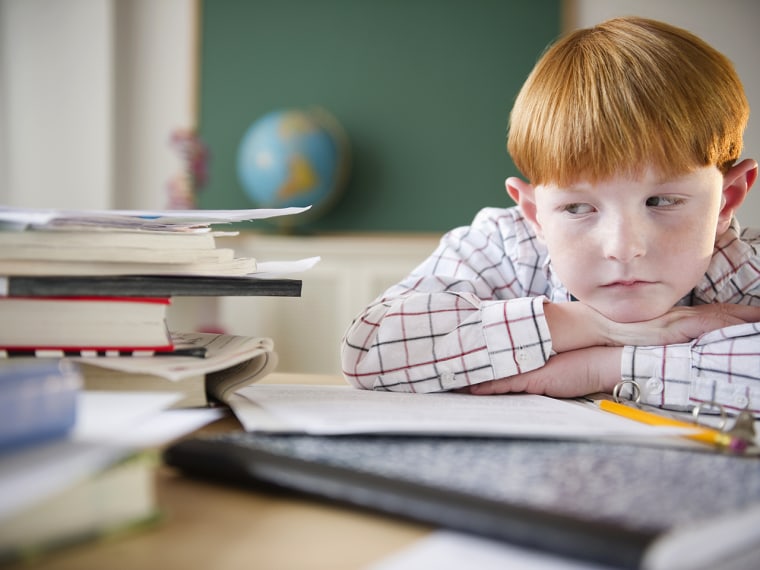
(662,373)
(516,334)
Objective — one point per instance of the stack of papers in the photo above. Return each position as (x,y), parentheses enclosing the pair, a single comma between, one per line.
(342,410)
(123,242)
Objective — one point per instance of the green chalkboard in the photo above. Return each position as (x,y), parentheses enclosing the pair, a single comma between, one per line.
(423,88)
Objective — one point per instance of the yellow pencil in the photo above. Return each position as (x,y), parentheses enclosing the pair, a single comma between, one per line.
(704,435)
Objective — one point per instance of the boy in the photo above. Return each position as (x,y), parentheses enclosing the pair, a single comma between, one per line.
(622,260)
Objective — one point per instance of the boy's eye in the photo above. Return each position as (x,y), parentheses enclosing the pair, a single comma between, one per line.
(662,201)
(578,208)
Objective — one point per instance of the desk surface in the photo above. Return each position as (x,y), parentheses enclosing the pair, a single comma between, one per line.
(213,527)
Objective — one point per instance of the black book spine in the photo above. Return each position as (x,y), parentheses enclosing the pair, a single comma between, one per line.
(150,286)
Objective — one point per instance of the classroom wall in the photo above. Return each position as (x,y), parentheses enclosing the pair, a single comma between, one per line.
(423,89)
(56,103)
(89,93)
(91,89)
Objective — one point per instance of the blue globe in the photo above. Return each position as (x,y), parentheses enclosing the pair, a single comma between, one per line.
(293,158)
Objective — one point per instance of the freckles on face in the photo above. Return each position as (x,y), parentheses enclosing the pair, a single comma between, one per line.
(631,249)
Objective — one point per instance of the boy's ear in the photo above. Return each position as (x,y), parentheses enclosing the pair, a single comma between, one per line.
(736,184)
(524,195)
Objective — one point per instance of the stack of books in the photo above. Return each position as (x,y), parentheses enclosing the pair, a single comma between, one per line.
(57,488)
(95,287)
(83,306)
(102,280)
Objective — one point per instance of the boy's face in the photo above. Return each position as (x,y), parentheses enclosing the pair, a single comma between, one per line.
(632,248)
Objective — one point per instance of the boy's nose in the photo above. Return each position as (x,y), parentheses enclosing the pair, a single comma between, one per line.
(624,242)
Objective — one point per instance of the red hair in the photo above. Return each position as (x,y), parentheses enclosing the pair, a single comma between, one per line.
(623,95)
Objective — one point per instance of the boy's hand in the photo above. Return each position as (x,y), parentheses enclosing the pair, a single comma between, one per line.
(682,324)
(566,375)
(580,371)
(575,325)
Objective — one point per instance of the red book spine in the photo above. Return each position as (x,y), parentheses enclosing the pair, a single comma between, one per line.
(158,300)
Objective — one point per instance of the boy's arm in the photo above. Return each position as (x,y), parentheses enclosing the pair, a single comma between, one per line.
(575,325)
(722,365)
(432,341)
(468,314)
(566,375)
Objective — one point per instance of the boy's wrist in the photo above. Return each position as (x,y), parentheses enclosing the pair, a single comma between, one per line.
(574,325)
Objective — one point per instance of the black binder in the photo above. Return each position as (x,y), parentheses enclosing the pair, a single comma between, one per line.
(615,504)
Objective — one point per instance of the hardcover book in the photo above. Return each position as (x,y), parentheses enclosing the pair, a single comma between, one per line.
(115,498)
(147,286)
(84,323)
(38,401)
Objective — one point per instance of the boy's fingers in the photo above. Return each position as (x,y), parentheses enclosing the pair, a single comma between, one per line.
(490,387)
(746,313)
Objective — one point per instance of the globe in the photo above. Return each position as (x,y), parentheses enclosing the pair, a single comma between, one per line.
(293,158)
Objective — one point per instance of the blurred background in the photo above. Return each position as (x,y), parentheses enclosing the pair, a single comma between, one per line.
(145,104)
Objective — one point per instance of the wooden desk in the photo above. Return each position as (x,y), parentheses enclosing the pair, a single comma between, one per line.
(211,527)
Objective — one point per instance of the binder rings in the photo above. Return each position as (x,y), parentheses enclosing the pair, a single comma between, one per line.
(619,505)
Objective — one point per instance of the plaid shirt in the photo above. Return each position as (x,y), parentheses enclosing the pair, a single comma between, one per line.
(473,312)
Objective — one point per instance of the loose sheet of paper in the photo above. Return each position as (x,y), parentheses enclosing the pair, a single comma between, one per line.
(136,419)
(141,218)
(446,550)
(331,410)
(274,269)
(108,425)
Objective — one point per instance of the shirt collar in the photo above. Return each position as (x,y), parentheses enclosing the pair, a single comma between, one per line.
(730,261)
(557,291)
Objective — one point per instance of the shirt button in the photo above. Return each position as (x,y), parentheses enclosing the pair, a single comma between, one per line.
(447,378)
(741,400)
(522,355)
(654,386)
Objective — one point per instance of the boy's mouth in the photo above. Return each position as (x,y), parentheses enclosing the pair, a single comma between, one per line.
(627,283)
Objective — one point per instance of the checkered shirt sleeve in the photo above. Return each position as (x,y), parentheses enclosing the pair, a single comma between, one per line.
(468,314)
(473,312)
(721,367)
